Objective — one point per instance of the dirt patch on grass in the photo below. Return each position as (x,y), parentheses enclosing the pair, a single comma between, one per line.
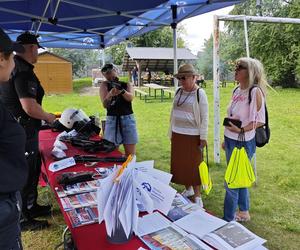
(90,91)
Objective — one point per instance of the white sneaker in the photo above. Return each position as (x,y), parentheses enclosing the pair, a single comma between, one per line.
(188,192)
(198,201)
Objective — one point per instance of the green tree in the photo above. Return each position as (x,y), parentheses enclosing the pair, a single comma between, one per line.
(205,61)
(80,59)
(162,37)
(276,45)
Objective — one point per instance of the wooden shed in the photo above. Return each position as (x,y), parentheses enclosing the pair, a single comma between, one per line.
(54,73)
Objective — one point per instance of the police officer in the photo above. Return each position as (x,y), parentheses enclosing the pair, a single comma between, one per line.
(23,97)
(13,165)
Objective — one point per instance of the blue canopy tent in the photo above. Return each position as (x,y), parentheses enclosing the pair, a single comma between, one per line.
(91,24)
(95,24)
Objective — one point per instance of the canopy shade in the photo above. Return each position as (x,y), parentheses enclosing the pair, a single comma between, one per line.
(155,59)
(95,24)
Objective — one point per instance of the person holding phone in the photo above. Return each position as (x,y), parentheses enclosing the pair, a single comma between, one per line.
(243,117)
(116,97)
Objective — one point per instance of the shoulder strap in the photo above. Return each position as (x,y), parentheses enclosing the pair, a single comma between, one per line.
(249,95)
(177,91)
(266,116)
(198,91)
(266,110)
(235,89)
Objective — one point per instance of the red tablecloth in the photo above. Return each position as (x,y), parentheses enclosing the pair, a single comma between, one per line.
(88,237)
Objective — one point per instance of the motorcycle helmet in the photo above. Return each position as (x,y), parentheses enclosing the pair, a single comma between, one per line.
(72,115)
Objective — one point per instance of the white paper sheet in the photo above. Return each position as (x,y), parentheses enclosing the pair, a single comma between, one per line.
(161,194)
(103,192)
(143,197)
(109,214)
(144,166)
(62,164)
(199,223)
(125,215)
(161,176)
(151,223)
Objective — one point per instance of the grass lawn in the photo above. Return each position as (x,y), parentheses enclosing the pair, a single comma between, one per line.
(275,201)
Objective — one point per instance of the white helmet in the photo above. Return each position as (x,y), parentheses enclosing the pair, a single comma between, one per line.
(72,115)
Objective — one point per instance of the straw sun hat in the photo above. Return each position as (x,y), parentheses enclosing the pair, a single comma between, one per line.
(186,69)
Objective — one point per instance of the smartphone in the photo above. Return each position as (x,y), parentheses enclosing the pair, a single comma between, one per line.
(236,122)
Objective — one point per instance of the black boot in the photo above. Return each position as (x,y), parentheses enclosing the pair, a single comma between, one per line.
(33,225)
(37,210)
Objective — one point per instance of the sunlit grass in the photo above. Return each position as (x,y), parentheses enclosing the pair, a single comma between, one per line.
(275,201)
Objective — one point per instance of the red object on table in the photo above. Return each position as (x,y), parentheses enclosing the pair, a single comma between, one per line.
(88,237)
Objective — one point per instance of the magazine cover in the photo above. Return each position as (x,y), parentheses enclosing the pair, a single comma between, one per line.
(82,216)
(233,236)
(171,238)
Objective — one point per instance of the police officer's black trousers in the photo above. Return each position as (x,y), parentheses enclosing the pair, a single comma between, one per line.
(29,192)
(10,232)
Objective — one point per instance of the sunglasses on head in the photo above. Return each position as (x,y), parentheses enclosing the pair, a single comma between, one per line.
(107,67)
(239,67)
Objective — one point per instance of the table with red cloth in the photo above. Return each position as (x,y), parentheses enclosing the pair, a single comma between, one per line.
(87,237)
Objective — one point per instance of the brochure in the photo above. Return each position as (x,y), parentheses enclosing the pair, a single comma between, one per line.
(79,200)
(172,238)
(233,236)
(62,164)
(83,216)
(181,207)
(77,188)
(159,233)
(219,233)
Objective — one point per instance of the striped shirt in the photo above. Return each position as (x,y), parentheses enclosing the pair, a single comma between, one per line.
(184,121)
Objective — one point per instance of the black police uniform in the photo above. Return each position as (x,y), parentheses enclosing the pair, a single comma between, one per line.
(25,84)
(13,177)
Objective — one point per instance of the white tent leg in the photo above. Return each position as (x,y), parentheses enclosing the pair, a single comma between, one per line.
(175,56)
(216,80)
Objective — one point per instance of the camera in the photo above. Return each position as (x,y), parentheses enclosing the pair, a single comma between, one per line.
(116,85)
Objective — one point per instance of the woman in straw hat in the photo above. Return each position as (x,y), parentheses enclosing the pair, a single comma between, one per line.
(188,132)
(13,167)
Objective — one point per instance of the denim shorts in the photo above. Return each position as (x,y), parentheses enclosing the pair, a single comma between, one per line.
(121,130)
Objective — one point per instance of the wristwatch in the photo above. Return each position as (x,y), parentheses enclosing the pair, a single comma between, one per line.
(122,92)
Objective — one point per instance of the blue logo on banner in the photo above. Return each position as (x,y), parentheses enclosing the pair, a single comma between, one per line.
(146,186)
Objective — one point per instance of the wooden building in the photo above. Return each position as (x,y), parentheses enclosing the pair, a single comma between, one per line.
(54,73)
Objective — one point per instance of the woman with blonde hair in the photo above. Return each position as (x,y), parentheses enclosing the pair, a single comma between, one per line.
(247,106)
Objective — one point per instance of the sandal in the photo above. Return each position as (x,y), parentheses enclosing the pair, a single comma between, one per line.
(242,216)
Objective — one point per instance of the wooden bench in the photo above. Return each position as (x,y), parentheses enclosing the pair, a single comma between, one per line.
(141,93)
(170,91)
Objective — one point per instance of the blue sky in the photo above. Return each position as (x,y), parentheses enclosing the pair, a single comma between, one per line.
(200,28)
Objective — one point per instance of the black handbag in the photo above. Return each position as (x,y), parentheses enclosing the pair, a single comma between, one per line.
(262,134)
